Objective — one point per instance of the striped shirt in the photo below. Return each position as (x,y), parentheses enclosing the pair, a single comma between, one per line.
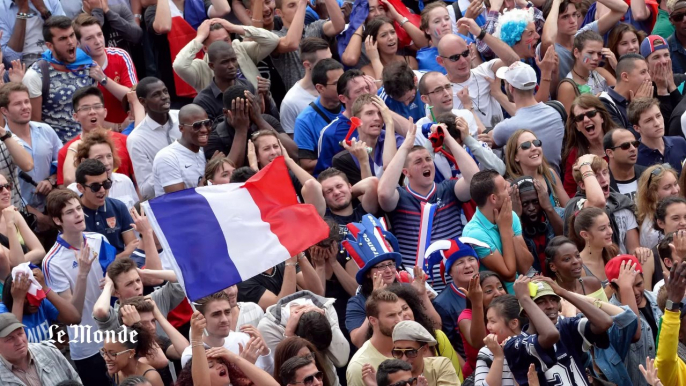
(482,369)
(447,222)
(119,68)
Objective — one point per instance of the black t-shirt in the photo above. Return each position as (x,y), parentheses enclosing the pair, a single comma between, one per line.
(251,290)
(647,313)
(221,137)
(342,221)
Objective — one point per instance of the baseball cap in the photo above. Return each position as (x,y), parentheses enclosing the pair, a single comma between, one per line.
(520,75)
(411,330)
(612,266)
(8,323)
(651,44)
(542,289)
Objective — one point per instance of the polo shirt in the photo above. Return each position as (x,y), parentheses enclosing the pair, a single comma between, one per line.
(449,304)
(617,108)
(120,68)
(61,268)
(329,142)
(405,221)
(175,164)
(480,228)
(415,109)
(675,153)
(148,138)
(120,141)
(678,54)
(211,98)
(37,325)
(308,127)
(110,220)
(43,149)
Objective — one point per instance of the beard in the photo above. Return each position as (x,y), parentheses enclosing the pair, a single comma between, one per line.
(342,206)
(385,330)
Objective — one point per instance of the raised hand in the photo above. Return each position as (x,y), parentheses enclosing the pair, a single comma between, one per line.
(650,373)
(378,282)
(129,315)
(465,99)
(370,46)
(504,216)
(20,286)
(410,136)
(609,57)
(516,201)
(678,245)
(475,294)
(84,259)
(491,341)
(140,221)
(239,116)
(368,375)
(419,281)
(542,194)
(258,344)
(357,149)
(643,255)
(18,70)
(250,352)
(383,109)
(96,73)
(198,324)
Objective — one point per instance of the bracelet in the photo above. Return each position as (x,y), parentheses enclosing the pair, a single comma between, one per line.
(584,163)
(138,16)
(403,21)
(48,291)
(258,21)
(291,264)
(598,303)
(587,175)
(24,16)
(197,344)
(482,35)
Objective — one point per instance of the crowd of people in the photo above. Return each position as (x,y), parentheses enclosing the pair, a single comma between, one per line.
(503,182)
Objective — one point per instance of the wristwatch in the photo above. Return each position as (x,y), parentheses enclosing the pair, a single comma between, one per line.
(670,305)
(5,137)
(104,81)
(46,15)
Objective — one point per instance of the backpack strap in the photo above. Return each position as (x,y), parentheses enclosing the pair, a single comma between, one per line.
(559,107)
(45,73)
(320,113)
(456,8)
(572,82)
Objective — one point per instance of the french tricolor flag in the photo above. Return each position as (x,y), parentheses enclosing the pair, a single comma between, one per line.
(218,236)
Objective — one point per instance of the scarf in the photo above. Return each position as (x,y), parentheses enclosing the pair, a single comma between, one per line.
(82,62)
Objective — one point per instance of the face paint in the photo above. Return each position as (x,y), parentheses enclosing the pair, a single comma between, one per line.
(438,33)
(587,58)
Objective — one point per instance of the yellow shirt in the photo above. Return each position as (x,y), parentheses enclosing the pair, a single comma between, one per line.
(670,368)
(445,349)
(438,371)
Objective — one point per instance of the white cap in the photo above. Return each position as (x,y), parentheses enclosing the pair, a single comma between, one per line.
(520,75)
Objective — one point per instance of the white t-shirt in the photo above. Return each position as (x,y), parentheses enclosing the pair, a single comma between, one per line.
(295,101)
(122,189)
(628,188)
(176,163)
(61,268)
(265,362)
(484,103)
(649,237)
(626,221)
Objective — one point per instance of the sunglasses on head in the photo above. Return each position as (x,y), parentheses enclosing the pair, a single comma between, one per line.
(411,353)
(96,186)
(6,186)
(526,145)
(590,114)
(656,172)
(199,124)
(456,57)
(412,382)
(627,145)
(309,380)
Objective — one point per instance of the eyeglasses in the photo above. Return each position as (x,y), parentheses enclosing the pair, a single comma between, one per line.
(456,57)
(7,186)
(678,18)
(590,114)
(199,124)
(96,107)
(412,382)
(410,353)
(309,380)
(383,267)
(96,186)
(443,89)
(112,355)
(526,145)
(627,145)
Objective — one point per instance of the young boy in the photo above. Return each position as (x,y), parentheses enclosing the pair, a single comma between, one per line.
(655,148)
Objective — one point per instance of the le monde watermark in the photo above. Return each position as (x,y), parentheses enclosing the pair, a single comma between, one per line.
(83,334)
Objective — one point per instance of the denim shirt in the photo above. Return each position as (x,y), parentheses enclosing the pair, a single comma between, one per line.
(611,360)
(678,54)
(645,347)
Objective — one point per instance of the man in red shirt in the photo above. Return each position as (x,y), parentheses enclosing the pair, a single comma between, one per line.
(90,112)
(114,70)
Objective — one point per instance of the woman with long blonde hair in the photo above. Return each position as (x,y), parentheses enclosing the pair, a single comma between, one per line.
(524,157)
(656,183)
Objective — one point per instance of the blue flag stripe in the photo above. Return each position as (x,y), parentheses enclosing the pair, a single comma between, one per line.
(199,247)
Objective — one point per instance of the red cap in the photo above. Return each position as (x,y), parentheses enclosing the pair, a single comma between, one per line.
(612,267)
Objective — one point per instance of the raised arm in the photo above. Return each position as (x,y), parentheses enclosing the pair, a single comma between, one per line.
(594,193)
(162,23)
(19,155)
(219,8)
(336,23)
(417,36)
(468,168)
(307,278)
(366,192)
(500,48)
(179,342)
(291,41)
(288,286)
(549,34)
(240,12)
(387,192)
(352,53)
(548,335)
(618,9)
(600,321)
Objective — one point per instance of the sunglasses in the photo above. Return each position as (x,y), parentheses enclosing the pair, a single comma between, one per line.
(678,18)
(412,382)
(456,57)
(526,145)
(96,186)
(590,114)
(309,380)
(627,145)
(7,186)
(199,124)
(410,353)
(656,172)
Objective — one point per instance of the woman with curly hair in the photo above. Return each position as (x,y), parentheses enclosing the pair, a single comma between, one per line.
(656,183)
(98,145)
(295,346)
(587,124)
(524,156)
(123,356)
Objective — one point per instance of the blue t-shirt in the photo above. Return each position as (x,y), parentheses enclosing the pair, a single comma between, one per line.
(329,141)
(37,325)
(355,313)
(309,125)
(449,304)
(110,220)
(560,365)
(426,58)
(416,109)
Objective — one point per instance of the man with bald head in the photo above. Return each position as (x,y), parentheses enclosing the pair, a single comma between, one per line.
(455,57)
(180,165)
(223,61)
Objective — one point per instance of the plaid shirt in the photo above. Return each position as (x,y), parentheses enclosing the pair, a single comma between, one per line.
(492,22)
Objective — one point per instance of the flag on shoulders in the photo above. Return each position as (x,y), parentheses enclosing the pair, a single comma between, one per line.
(218,236)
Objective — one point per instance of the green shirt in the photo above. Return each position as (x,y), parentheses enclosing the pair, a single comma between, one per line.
(663,27)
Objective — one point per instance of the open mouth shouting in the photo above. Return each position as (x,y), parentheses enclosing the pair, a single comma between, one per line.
(590,128)
(606,190)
